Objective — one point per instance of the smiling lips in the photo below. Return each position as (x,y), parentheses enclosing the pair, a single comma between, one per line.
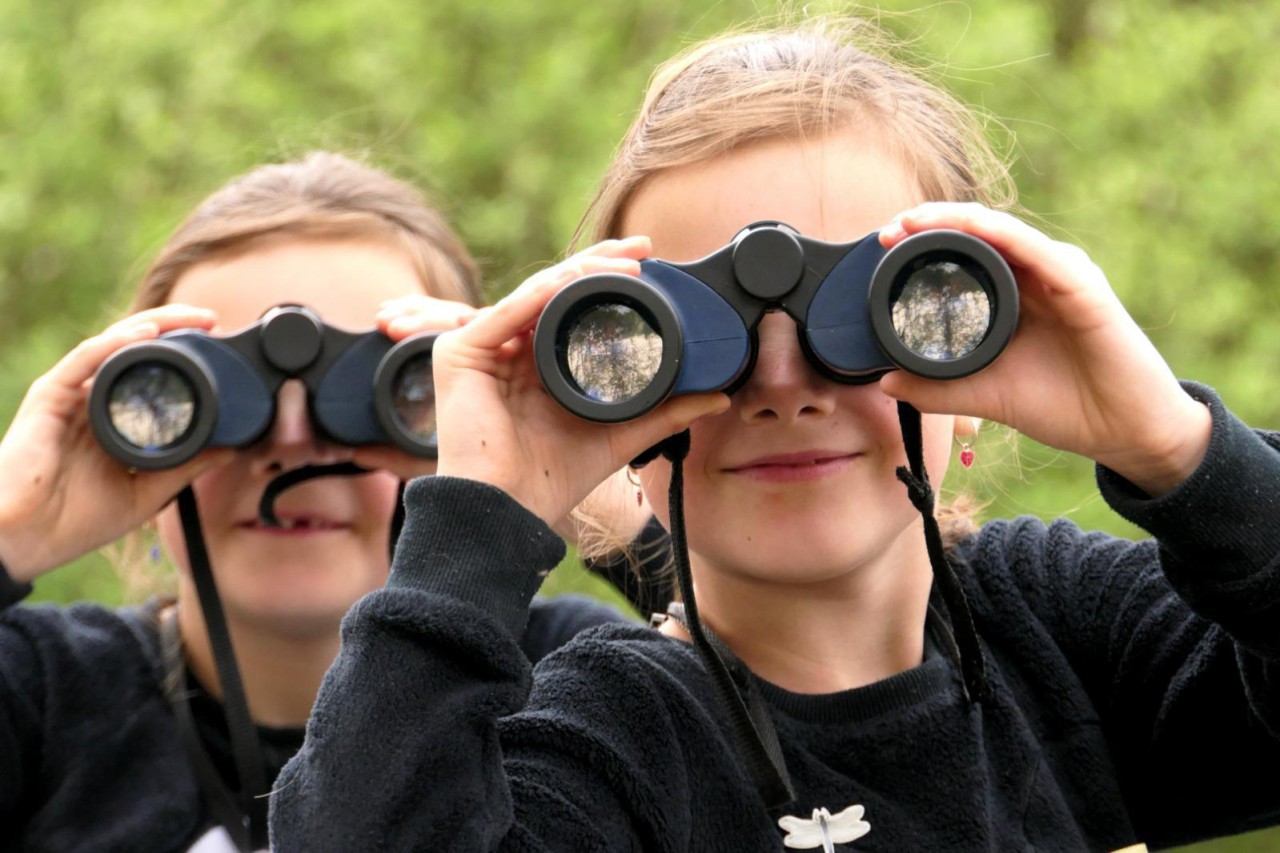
(295,525)
(795,467)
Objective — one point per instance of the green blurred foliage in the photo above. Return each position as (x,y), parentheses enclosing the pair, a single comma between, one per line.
(1144,131)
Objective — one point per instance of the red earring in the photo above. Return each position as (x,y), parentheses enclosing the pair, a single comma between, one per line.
(634,479)
(966,451)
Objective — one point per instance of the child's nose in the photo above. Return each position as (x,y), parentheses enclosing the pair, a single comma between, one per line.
(292,440)
(783,385)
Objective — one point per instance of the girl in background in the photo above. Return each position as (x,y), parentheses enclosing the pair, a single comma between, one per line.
(96,752)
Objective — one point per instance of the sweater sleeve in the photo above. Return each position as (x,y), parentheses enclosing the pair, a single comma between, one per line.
(90,756)
(21,723)
(1219,532)
(412,744)
(1176,639)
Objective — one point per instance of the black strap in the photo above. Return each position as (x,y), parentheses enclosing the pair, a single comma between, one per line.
(397,519)
(11,592)
(244,737)
(972,665)
(289,479)
(750,725)
(222,802)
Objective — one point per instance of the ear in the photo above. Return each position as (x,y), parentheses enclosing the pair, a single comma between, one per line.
(966,427)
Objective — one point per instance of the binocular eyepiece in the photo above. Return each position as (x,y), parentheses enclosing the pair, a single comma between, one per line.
(155,404)
(941,304)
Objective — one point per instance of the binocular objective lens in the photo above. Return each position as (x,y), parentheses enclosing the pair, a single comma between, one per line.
(151,406)
(941,311)
(414,397)
(612,353)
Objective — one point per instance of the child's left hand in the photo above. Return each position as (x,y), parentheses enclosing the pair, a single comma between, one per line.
(1079,374)
(498,425)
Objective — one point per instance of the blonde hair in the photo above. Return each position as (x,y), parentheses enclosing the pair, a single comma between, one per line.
(815,78)
(321,195)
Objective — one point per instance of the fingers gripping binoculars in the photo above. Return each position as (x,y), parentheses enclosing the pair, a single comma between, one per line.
(155,404)
(941,304)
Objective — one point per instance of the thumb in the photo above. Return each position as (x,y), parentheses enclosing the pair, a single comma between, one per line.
(162,486)
(672,417)
(937,396)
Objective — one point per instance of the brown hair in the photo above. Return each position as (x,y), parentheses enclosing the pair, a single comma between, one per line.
(815,78)
(322,195)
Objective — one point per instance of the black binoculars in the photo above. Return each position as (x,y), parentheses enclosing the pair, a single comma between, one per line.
(941,304)
(155,404)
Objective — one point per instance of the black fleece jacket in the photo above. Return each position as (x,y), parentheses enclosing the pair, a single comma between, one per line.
(1135,697)
(91,757)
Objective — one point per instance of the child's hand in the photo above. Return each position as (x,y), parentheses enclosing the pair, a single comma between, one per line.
(497,424)
(62,495)
(1079,374)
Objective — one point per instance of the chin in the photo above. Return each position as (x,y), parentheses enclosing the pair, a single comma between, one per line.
(300,618)
(304,597)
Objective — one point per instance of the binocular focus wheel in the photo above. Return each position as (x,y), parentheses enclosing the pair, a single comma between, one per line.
(291,339)
(768,262)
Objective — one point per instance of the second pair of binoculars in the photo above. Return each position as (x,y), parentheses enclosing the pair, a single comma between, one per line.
(940,304)
(156,404)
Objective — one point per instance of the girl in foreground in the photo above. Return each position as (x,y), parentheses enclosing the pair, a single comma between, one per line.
(113,734)
(1093,693)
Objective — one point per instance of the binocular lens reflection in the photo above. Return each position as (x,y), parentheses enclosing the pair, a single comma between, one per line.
(941,311)
(151,406)
(612,353)
(413,397)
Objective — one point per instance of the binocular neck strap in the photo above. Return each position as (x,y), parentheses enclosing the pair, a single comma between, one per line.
(244,736)
(289,479)
(972,665)
(736,692)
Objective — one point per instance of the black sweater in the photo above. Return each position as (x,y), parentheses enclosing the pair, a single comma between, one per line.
(91,757)
(1120,712)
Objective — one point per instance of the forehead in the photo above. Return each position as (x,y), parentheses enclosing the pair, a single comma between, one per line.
(835,188)
(343,280)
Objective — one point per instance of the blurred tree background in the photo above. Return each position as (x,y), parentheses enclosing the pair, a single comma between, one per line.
(1144,131)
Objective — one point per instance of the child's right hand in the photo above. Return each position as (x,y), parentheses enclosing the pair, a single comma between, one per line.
(61,495)
(1079,375)
(497,424)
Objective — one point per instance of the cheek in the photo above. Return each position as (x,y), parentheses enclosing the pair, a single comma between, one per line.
(213,490)
(378,494)
(656,476)
(169,529)
(655,480)
(937,432)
